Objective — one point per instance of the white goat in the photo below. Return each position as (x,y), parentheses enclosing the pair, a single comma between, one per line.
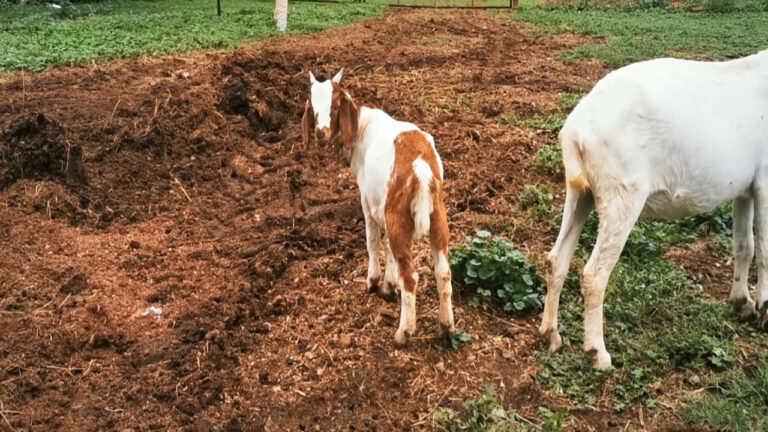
(664,138)
(400,176)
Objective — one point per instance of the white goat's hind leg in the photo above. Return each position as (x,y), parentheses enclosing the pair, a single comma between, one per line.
(373,240)
(617,217)
(578,204)
(761,248)
(743,251)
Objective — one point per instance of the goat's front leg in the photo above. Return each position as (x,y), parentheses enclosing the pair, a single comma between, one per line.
(761,240)
(743,251)
(617,217)
(373,240)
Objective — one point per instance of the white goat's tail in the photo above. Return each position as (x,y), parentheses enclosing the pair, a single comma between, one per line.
(575,175)
(422,206)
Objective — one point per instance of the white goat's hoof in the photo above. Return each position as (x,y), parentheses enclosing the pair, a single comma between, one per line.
(601,360)
(763,313)
(401,339)
(552,336)
(744,309)
(447,330)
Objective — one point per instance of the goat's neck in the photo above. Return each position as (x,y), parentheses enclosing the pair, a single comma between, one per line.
(359,147)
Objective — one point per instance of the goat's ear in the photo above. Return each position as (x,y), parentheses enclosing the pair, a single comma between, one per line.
(348,116)
(337,77)
(307,124)
(312,78)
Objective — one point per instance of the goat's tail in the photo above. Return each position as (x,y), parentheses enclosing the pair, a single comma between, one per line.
(575,174)
(422,205)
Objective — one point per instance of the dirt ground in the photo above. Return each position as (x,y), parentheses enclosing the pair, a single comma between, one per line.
(180,183)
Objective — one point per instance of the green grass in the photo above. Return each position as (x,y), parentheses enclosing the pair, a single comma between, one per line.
(633,35)
(34,37)
(552,122)
(738,403)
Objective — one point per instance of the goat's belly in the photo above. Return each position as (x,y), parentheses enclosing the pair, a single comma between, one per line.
(678,205)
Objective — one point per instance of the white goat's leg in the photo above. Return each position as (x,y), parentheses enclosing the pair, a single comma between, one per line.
(578,204)
(373,240)
(761,249)
(743,251)
(617,217)
(390,287)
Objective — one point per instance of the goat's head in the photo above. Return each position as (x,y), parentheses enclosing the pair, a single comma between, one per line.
(329,112)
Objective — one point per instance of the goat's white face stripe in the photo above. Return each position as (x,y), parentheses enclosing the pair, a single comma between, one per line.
(321,94)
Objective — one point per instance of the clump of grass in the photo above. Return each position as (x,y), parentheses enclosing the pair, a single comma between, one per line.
(568,100)
(549,161)
(537,200)
(491,270)
(738,403)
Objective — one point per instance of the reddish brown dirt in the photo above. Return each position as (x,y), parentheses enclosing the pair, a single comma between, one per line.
(194,195)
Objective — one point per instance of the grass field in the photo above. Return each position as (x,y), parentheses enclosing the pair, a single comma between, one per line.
(637,34)
(34,37)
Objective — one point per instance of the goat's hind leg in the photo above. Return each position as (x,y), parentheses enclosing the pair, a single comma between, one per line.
(390,288)
(743,251)
(761,249)
(578,204)
(373,241)
(617,215)
(439,238)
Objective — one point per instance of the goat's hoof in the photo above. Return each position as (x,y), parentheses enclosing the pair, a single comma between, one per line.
(763,322)
(447,330)
(389,292)
(552,336)
(744,309)
(373,284)
(401,339)
(600,360)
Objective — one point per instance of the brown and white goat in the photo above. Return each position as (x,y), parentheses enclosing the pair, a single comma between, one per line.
(400,176)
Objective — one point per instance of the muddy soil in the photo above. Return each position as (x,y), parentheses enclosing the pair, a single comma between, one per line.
(180,183)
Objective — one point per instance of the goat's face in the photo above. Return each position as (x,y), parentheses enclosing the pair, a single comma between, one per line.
(328,112)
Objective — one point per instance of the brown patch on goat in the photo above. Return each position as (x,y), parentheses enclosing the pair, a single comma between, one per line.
(403,187)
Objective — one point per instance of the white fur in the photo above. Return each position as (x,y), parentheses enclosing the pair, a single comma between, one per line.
(665,138)
(321,94)
(421,206)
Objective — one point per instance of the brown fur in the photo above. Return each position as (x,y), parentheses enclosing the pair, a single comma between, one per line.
(307,123)
(402,189)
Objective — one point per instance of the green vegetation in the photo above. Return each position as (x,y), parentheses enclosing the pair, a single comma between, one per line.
(738,405)
(537,200)
(549,161)
(487,414)
(34,37)
(491,270)
(640,30)
(552,122)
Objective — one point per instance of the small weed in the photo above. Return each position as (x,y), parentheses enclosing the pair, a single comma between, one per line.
(549,161)
(459,339)
(537,200)
(493,271)
(552,122)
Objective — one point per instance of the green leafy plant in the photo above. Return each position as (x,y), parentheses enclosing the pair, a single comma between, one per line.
(484,414)
(459,339)
(493,271)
